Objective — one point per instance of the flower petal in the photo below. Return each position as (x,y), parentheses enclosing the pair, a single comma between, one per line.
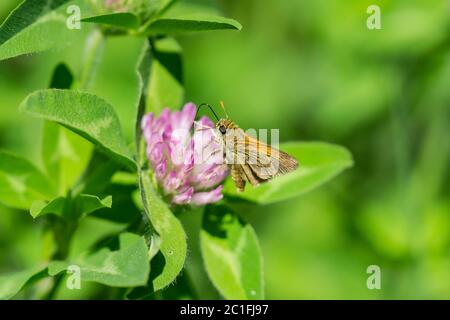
(183,197)
(185,164)
(185,118)
(172,182)
(155,152)
(161,169)
(202,198)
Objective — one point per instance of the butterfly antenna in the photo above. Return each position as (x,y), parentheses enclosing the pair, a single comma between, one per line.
(222,105)
(210,108)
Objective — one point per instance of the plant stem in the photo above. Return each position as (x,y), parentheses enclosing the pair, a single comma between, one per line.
(64,229)
(93,51)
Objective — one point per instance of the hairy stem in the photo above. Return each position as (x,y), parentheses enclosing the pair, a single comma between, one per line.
(64,229)
(93,51)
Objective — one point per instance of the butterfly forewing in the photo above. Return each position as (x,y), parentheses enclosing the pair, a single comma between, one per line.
(253,160)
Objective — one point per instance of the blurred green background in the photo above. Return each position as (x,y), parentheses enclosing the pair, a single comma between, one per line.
(314,70)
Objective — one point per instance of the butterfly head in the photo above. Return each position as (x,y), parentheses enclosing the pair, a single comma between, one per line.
(223,124)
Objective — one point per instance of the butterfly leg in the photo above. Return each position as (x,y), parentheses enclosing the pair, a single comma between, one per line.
(236,176)
(250,176)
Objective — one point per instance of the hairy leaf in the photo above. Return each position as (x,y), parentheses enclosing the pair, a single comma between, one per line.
(34,26)
(186,18)
(126,267)
(126,20)
(85,114)
(169,261)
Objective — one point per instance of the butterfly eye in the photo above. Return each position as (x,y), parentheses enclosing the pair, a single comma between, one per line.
(222,129)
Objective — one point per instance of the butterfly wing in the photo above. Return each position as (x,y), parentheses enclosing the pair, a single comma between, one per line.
(257,161)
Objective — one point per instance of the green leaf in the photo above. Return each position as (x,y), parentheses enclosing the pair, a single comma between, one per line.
(185,18)
(34,26)
(319,163)
(12,283)
(125,20)
(124,210)
(192,23)
(64,153)
(126,267)
(21,183)
(50,32)
(87,203)
(84,205)
(165,87)
(231,254)
(164,5)
(169,261)
(87,115)
(93,232)
(41,207)
(28,12)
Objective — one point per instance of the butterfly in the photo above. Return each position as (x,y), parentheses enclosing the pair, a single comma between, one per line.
(249,159)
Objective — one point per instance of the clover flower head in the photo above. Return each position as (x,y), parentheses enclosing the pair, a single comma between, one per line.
(110,6)
(142,8)
(188,167)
